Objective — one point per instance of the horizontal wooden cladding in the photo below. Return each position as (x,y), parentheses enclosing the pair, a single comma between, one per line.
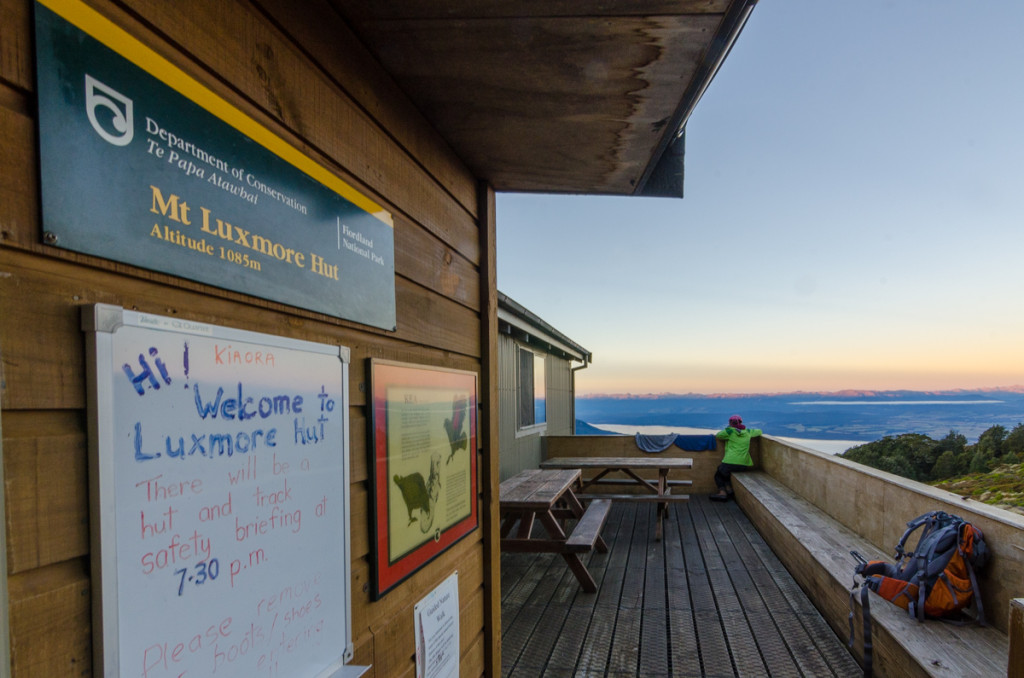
(50,618)
(359,463)
(469,9)
(431,320)
(466,556)
(19,183)
(41,345)
(391,620)
(400,632)
(474,658)
(359,376)
(362,650)
(44,367)
(46,488)
(16,43)
(430,262)
(250,55)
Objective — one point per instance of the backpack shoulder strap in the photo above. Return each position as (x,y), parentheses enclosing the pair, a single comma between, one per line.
(865,604)
(926,519)
(977,592)
(934,555)
(976,544)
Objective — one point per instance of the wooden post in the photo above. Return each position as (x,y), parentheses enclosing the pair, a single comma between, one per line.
(1016,633)
(5,629)
(489,429)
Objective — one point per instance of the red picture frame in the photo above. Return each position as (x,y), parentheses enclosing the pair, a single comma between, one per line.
(423,466)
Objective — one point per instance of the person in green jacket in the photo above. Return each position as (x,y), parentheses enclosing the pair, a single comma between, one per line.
(737,455)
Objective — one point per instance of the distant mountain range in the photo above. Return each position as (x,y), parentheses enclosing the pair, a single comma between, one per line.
(846,393)
(846,415)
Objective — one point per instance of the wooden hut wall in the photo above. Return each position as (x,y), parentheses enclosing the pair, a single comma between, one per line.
(560,394)
(310,82)
(523,450)
(517,452)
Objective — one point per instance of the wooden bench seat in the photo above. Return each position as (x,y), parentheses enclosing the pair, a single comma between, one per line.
(588,530)
(629,481)
(649,498)
(816,550)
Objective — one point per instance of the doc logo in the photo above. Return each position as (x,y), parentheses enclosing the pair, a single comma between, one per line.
(122,121)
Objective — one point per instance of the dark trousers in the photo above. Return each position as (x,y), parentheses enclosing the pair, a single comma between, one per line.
(725,471)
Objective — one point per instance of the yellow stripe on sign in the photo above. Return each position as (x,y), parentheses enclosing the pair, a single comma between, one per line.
(102,29)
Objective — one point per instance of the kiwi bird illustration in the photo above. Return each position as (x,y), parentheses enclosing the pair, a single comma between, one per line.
(420,495)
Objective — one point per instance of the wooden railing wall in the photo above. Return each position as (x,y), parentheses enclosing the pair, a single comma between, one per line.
(876,505)
(704,463)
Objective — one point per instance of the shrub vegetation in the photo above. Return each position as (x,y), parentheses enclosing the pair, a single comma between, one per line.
(991,470)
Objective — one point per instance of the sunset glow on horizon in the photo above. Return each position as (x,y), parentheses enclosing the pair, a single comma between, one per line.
(792,365)
(661,380)
(848,224)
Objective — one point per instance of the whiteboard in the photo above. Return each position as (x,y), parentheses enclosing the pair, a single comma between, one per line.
(219,471)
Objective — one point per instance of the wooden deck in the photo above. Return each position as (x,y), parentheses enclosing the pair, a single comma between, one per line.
(710,599)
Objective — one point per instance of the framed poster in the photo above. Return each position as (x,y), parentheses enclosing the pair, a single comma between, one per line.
(423,444)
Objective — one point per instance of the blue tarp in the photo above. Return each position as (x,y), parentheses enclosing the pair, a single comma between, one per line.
(690,443)
(701,443)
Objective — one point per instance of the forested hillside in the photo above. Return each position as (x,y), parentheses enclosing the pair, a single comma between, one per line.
(991,470)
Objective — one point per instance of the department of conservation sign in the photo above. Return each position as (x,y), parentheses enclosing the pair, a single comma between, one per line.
(142,164)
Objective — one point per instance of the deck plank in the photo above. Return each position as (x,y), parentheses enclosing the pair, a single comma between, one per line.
(710,599)
(764,627)
(809,638)
(566,651)
(654,639)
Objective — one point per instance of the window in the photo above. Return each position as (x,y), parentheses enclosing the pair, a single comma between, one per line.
(530,388)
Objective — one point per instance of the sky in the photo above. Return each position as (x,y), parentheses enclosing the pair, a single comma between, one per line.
(852,219)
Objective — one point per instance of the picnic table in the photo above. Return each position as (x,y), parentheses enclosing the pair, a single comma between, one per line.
(548,495)
(659,491)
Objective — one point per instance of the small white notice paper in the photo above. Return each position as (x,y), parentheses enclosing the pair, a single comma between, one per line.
(437,631)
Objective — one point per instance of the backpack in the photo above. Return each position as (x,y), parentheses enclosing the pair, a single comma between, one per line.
(935,580)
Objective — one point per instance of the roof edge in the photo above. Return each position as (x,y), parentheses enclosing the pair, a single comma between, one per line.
(729,30)
(521,317)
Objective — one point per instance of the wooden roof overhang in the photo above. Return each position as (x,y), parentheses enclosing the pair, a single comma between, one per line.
(556,96)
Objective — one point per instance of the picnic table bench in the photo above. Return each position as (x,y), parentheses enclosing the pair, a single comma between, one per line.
(659,491)
(548,495)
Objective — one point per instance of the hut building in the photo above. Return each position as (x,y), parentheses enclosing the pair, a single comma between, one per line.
(537,368)
(243,245)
